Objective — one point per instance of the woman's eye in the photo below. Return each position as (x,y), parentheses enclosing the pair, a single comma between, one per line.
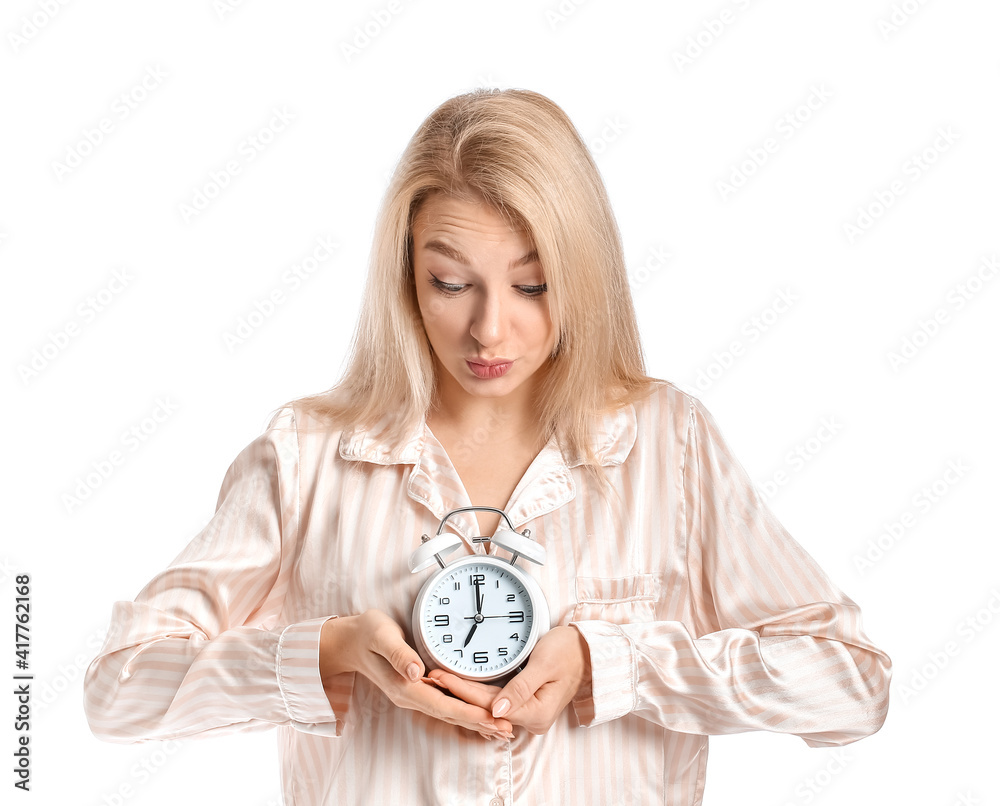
(450,288)
(454,288)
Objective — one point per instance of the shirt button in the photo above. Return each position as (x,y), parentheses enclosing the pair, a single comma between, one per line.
(496,802)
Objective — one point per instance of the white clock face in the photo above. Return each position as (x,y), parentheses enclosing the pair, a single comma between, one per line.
(476,619)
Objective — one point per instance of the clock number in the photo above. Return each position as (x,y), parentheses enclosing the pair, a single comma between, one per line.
(516,616)
(446,638)
(441,621)
(458,586)
(502,651)
(444,600)
(459,651)
(480,657)
(478,579)
(515,636)
(511,597)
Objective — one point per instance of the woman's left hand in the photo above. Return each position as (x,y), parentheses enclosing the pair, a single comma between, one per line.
(558,666)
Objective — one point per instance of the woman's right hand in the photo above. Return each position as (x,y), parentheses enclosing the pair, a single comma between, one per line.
(373,644)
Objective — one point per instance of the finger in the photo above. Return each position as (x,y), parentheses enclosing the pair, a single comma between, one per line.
(472,692)
(389,643)
(469,690)
(438,704)
(520,689)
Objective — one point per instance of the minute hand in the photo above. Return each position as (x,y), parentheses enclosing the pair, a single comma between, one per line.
(478,617)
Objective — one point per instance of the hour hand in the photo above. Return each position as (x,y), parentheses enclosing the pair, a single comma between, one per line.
(471,633)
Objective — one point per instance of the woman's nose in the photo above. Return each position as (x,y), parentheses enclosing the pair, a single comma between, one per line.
(489,324)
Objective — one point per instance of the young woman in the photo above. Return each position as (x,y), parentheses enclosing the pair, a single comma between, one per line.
(496,363)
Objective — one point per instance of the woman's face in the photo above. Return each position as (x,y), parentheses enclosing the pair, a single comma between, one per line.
(481,293)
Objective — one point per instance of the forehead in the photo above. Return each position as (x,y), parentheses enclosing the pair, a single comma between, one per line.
(441,213)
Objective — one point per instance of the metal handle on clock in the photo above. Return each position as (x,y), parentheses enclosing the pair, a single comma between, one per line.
(519,544)
(467,509)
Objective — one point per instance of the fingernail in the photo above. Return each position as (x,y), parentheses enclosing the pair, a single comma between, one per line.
(489,726)
(505,733)
(501,707)
(413,672)
(489,736)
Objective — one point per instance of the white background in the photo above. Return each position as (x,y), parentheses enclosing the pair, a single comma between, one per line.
(665,133)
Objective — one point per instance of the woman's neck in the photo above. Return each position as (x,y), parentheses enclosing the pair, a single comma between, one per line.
(492,423)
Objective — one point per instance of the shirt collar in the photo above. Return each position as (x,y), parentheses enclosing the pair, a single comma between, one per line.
(546,485)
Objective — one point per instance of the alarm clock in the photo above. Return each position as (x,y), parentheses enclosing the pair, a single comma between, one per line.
(478,616)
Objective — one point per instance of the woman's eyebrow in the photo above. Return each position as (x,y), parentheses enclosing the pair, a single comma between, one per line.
(452,253)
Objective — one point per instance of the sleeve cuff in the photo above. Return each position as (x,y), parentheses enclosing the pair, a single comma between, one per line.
(306,701)
(613,674)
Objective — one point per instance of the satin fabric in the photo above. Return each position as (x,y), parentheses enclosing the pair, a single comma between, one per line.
(701,614)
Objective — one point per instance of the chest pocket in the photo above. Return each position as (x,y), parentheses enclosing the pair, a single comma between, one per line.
(619,600)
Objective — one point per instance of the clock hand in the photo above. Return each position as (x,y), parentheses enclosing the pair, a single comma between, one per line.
(479,614)
(480,600)
(471,633)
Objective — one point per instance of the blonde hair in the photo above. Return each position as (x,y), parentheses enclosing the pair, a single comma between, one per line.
(520,153)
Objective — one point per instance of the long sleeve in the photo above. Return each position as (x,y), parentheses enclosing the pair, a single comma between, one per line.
(774,645)
(200,650)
